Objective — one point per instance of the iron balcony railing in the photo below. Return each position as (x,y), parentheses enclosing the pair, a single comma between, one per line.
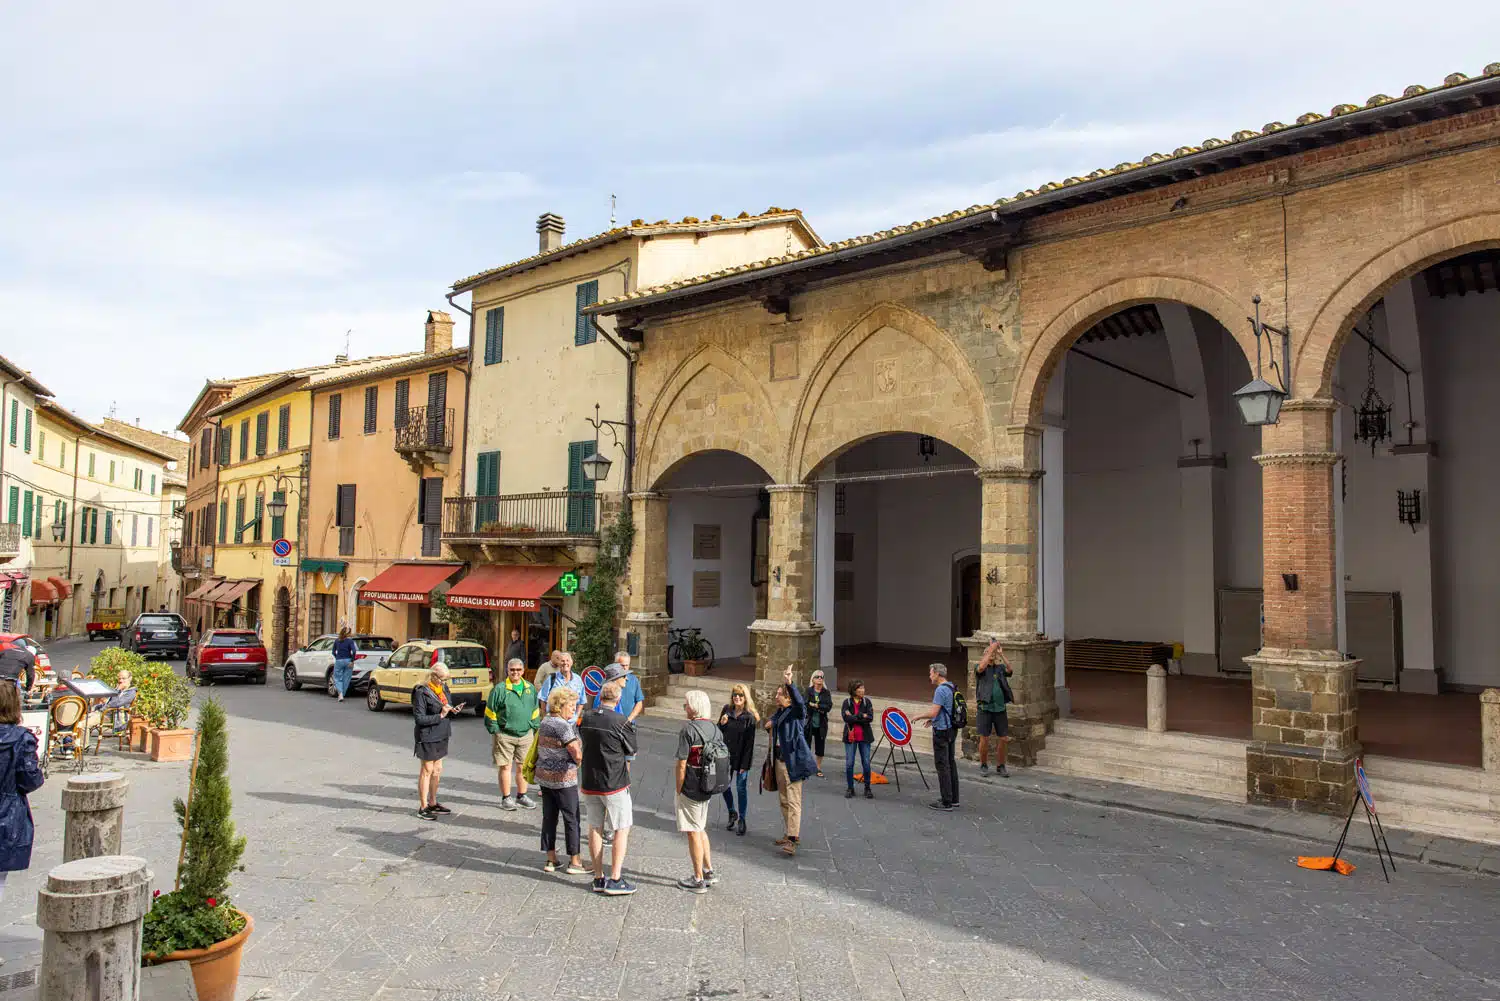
(426,430)
(10,539)
(517,517)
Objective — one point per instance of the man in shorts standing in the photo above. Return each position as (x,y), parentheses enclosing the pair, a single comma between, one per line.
(604,782)
(993,692)
(512,716)
(692,814)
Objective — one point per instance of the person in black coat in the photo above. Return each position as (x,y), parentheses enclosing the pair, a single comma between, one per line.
(431,705)
(859,730)
(20,774)
(738,722)
(819,705)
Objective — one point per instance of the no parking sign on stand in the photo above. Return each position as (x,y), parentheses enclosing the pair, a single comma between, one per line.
(895,727)
(593,681)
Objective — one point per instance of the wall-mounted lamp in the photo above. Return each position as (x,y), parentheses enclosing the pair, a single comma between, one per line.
(1259,401)
(777,574)
(1289,581)
(1409,507)
(927,446)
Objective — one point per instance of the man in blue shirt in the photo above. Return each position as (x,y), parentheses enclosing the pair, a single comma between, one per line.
(944,737)
(565,678)
(632,698)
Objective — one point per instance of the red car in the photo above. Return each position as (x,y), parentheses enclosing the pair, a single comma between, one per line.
(228,653)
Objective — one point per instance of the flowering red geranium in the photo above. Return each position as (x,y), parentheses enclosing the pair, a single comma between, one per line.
(212,902)
(155,894)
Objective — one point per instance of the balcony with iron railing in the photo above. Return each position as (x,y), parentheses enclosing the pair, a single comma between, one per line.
(10,541)
(426,432)
(552,517)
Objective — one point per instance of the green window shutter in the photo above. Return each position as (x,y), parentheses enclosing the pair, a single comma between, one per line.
(15,420)
(278,521)
(62,516)
(111,470)
(260,510)
(26,513)
(494,335)
(283,427)
(239,519)
(580,509)
(93,526)
(38,533)
(41,445)
(244,440)
(109,527)
(28,431)
(488,475)
(13,514)
(262,431)
(223,522)
(92,456)
(224,445)
(583,329)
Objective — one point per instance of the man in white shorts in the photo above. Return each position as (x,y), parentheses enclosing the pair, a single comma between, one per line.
(604,785)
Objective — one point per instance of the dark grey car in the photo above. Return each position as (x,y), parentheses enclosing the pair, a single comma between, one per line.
(162,634)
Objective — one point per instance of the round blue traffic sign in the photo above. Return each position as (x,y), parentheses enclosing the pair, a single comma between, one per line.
(281,547)
(897,726)
(1363,782)
(593,680)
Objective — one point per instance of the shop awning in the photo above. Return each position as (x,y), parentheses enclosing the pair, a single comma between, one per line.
(231,591)
(202,592)
(411,582)
(9,577)
(42,592)
(315,565)
(504,588)
(63,588)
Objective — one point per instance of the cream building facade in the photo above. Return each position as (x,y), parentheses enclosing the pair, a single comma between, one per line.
(20,529)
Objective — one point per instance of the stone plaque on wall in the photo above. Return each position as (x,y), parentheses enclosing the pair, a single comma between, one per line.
(705,589)
(843,547)
(784,358)
(706,542)
(843,585)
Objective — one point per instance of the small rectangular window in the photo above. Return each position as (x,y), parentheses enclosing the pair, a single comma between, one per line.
(62,454)
(41,445)
(284,427)
(135,527)
(372,408)
(138,474)
(403,402)
(583,327)
(153,484)
(111,470)
(335,406)
(494,335)
(262,431)
(150,528)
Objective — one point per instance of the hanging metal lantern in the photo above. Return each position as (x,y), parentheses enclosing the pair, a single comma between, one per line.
(1373,415)
(927,446)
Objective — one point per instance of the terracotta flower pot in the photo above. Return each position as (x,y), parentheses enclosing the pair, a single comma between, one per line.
(170,745)
(216,970)
(138,731)
(695,668)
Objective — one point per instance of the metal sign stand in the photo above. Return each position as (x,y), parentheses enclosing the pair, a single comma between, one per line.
(897,753)
(1377,831)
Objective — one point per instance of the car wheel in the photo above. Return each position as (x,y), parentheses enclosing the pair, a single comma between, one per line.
(289,678)
(333,692)
(373,701)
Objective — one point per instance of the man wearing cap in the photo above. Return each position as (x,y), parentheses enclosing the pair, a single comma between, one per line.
(632,699)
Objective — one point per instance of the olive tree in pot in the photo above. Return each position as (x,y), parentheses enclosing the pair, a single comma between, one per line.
(196,923)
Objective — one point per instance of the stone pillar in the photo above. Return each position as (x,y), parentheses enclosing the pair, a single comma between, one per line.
(789,634)
(1304,722)
(1156,698)
(1009,555)
(95,809)
(1489,730)
(646,614)
(90,913)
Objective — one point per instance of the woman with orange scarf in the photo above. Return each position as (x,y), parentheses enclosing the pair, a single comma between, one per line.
(431,705)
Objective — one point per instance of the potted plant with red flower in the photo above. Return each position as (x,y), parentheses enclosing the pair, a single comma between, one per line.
(196,922)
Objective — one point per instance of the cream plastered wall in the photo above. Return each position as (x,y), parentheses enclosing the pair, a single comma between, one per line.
(671,256)
(120,564)
(51,474)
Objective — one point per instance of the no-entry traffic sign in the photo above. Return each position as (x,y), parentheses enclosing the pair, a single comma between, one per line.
(593,680)
(897,726)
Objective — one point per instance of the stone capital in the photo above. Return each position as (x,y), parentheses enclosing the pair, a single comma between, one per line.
(1297,458)
(779,628)
(791,488)
(1490,696)
(1316,403)
(647,495)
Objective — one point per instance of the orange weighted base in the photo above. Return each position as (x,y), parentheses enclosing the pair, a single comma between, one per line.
(1323,862)
(875,779)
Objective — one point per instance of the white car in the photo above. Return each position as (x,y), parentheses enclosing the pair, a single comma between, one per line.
(313,664)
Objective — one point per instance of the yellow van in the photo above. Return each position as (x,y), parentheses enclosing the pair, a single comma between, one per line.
(468,666)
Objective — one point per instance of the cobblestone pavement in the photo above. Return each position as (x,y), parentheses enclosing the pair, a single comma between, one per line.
(1017,896)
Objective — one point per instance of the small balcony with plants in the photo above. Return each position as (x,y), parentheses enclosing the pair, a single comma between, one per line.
(556,518)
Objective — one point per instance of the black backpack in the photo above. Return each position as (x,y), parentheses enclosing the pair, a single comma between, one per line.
(709,775)
(959,717)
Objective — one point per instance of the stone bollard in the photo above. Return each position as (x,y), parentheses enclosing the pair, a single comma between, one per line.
(90,912)
(1156,699)
(1489,729)
(95,808)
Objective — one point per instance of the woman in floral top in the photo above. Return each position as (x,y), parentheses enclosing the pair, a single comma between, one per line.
(558,752)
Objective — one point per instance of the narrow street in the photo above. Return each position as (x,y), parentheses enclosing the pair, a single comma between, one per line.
(1017,896)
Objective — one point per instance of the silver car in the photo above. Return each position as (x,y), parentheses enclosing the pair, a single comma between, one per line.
(313,664)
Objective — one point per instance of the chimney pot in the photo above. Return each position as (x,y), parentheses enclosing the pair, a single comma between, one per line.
(439,332)
(549,229)
(340,359)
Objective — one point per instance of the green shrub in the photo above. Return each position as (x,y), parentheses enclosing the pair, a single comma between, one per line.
(163,696)
(107,665)
(594,642)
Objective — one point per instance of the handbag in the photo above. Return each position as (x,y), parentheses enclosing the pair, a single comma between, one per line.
(768,769)
(528,765)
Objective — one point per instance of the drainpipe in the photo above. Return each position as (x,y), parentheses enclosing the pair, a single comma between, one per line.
(463,455)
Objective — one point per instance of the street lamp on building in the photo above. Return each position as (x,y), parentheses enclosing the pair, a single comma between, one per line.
(58,529)
(1259,401)
(596,465)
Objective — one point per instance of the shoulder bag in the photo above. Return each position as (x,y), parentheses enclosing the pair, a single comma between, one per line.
(768,770)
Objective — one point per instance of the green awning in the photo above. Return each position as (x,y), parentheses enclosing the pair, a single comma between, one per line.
(323,566)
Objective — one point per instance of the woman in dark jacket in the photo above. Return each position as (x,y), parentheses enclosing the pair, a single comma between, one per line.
(737,722)
(859,722)
(819,705)
(20,773)
(793,758)
(431,705)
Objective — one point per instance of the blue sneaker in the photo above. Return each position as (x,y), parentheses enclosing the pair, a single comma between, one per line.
(599,884)
(618,888)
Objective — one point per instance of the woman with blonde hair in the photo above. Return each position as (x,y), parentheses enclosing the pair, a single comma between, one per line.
(738,722)
(431,705)
(559,751)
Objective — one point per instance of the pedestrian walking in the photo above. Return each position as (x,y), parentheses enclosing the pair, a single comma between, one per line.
(545,670)
(993,692)
(604,784)
(512,715)
(738,722)
(21,774)
(697,741)
(793,759)
(559,750)
(859,730)
(819,705)
(344,652)
(431,705)
(941,718)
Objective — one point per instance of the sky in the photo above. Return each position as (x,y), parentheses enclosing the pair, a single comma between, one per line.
(192,191)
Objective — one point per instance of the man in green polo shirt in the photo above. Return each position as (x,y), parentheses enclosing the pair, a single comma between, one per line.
(512,715)
(994,692)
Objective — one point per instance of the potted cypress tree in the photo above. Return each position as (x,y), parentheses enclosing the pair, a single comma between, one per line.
(196,923)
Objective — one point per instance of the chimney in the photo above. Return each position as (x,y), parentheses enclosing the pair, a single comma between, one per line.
(549,230)
(439,332)
(340,359)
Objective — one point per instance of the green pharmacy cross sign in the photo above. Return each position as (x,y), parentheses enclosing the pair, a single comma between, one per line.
(568,583)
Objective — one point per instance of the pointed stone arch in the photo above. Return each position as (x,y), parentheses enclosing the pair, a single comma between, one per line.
(891,370)
(1065,328)
(1318,353)
(711,401)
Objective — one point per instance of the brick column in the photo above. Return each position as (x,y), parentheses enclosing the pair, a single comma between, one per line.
(646,605)
(1305,729)
(788,634)
(1009,561)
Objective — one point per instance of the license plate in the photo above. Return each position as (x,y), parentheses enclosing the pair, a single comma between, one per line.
(236,656)
(165,635)
(465,681)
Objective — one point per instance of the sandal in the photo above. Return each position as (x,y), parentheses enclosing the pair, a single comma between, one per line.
(550,866)
(782,841)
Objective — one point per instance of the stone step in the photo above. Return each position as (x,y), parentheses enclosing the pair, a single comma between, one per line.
(1175,762)
(1463,824)
(1188,762)
(1428,773)
(1448,800)
(1144,773)
(1138,737)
